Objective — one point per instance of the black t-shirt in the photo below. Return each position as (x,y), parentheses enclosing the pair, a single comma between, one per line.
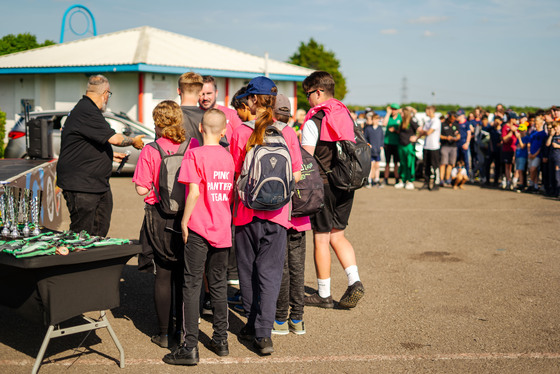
(405,134)
(86,157)
(448,129)
(192,117)
(324,151)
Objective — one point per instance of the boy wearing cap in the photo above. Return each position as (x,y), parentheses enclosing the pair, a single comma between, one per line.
(392,122)
(521,156)
(509,145)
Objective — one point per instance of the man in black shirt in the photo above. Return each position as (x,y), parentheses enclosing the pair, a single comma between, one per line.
(86,160)
(449,137)
(190,85)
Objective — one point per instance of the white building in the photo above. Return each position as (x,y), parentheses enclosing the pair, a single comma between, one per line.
(142,65)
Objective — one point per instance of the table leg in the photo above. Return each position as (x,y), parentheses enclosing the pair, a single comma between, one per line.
(114,336)
(43,349)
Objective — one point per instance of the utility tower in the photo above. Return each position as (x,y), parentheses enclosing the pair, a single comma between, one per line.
(404,91)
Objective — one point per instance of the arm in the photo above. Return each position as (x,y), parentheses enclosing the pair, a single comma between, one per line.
(121,140)
(550,136)
(192,198)
(468,141)
(142,190)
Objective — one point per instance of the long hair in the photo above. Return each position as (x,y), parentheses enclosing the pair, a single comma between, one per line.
(406,117)
(168,116)
(265,117)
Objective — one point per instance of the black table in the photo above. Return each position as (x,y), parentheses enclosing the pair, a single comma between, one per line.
(53,289)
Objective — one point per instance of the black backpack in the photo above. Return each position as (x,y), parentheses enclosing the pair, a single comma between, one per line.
(170,193)
(309,194)
(352,162)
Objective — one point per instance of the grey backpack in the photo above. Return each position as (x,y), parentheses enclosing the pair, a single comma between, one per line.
(170,193)
(266,181)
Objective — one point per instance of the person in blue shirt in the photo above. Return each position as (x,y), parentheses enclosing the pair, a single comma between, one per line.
(535,145)
(374,136)
(521,155)
(463,145)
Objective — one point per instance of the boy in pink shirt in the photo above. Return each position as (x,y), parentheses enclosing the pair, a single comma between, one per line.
(206,226)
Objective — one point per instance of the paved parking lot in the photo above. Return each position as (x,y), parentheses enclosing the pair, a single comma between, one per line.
(456,282)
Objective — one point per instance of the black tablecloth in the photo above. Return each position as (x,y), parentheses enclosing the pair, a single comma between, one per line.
(55,288)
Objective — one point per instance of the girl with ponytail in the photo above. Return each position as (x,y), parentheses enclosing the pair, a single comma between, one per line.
(260,236)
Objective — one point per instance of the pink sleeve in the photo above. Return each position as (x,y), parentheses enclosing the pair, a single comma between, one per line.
(144,174)
(189,172)
(293,145)
(237,149)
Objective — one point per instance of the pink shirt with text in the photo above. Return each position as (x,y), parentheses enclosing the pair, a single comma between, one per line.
(242,214)
(212,168)
(146,173)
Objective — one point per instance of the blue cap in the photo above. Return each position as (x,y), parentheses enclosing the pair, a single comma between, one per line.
(460,112)
(512,115)
(259,86)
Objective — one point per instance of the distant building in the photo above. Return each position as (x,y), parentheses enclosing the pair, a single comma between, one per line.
(142,64)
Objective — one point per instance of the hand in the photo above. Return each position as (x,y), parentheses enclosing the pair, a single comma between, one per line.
(413,139)
(389,110)
(185,231)
(465,146)
(391,129)
(137,141)
(118,156)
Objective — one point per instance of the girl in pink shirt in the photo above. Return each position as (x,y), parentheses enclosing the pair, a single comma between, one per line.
(161,246)
(260,236)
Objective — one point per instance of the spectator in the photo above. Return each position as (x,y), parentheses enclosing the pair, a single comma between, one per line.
(449,137)
(535,146)
(190,85)
(521,156)
(392,122)
(208,99)
(553,141)
(463,144)
(509,145)
(459,175)
(242,106)
(494,150)
(407,153)
(481,141)
(432,131)
(374,136)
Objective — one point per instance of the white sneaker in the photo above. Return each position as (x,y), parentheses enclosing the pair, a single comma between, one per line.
(399,185)
(409,186)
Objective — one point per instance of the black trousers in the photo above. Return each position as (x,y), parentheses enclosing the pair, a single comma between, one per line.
(260,248)
(292,289)
(199,252)
(431,160)
(89,211)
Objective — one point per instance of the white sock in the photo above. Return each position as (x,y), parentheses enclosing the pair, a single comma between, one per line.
(352,273)
(324,287)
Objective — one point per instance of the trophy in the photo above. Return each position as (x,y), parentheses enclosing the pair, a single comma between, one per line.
(24,210)
(4,212)
(13,218)
(35,216)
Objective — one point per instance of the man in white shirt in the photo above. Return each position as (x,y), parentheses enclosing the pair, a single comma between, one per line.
(432,131)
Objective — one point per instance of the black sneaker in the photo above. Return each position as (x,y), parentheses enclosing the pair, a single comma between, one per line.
(318,301)
(219,347)
(352,295)
(263,346)
(207,306)
(182,356)
(161,340)
(247,333)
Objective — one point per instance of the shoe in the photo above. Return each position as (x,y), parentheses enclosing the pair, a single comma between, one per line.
(220,348)
(369,185)
(263,346)
(161,340)
(352,295)
(318,301)
(239,309)
(280,328)
(207,306)
(235,299)
(247,333)
(182,356)
(297,328)
(399,185)
(409,186)
(435,187)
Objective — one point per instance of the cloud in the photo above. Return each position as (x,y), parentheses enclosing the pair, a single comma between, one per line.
(425,20)
(428,33)
(389,31)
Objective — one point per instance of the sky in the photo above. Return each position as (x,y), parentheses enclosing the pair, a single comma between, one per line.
(464,52)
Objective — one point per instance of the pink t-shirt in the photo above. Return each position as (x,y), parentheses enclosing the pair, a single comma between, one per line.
(211,167)
(233,120)
(146,173)
(300,224)
(242,214)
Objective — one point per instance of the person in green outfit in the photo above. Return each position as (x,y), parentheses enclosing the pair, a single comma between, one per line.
(392,122)
(407,139)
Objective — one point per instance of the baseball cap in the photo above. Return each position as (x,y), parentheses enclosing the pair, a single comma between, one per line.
(395,106)
(521,115)
(460,112)
(523,126)
(452,113)
(512,115)
(282,105)
(259,86)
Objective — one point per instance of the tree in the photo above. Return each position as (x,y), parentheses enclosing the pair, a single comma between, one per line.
(22,42)
(314,56)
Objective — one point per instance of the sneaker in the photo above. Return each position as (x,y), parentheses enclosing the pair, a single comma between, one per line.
(318,301)
(182,356)
(161,340)
(247,333)
(235,299)
(297,328)
(207,307)
(369,185)
(219,347)
(409,186)
(280,328)
(239,309)
(263,346)
(352,295)
(399,185)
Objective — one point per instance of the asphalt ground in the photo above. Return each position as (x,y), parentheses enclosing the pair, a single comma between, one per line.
(456,282)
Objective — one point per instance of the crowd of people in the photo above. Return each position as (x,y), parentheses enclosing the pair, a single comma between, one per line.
(203,229)
(504,149)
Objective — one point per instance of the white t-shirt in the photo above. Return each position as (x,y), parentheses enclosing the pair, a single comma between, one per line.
(457,171)
(432,141)
(309,134)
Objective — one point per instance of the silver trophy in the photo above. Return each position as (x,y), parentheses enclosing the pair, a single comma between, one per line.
(24,211)
(13,217)
(35,216)
(4,212)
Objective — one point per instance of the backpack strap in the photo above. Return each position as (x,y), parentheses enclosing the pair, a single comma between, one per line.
(250,124)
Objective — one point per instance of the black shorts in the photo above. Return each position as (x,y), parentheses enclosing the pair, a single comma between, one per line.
(507,157)
(391,150)
(335,213)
